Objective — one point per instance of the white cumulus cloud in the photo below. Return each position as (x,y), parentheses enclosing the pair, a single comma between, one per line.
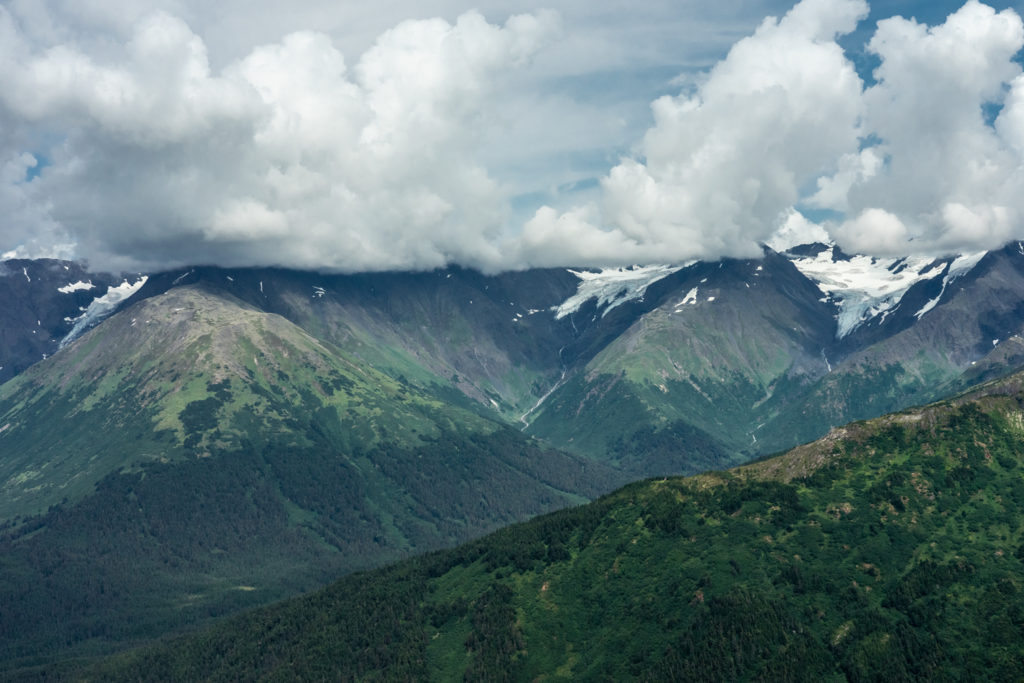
(949,179)
(913,163)
(288,156)
(720,169)
(150,134)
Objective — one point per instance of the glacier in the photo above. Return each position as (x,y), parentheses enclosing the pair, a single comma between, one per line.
(101,308)
(612,286)
(866,287)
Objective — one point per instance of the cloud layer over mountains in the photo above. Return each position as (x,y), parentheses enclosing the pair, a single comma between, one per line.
(139,150)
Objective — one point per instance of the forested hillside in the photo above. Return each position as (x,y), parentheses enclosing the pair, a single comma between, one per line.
(890,550)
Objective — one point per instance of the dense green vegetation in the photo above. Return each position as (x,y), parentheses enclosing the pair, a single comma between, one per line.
(173,544)
(891,551)
(212,457)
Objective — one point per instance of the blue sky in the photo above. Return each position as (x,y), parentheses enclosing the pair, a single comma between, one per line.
(503,134)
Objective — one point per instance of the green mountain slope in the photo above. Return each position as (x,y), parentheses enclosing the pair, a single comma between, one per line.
(714,361)
(493,341)
(889,550)
(194,455)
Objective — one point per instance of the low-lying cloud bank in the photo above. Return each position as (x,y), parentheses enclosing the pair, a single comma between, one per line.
(139,155)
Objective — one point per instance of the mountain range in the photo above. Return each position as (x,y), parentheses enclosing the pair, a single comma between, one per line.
(228,437)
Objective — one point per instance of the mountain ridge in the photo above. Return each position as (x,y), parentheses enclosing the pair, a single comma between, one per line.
(742,356)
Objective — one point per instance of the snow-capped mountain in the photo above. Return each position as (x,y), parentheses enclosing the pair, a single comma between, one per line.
(865,290)
(41,303)
(764,353)
(868,290)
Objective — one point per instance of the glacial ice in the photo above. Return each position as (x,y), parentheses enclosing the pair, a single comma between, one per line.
(612,287)
(101,308)
(865,287)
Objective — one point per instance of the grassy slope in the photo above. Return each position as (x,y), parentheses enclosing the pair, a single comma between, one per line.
(890,550)
(212,456)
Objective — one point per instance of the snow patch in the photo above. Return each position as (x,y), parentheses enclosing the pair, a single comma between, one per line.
(963,265)
(612,287)
(101,308)
(24,271)
(931,303)
(75,287)
(690,298)
(318,292)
